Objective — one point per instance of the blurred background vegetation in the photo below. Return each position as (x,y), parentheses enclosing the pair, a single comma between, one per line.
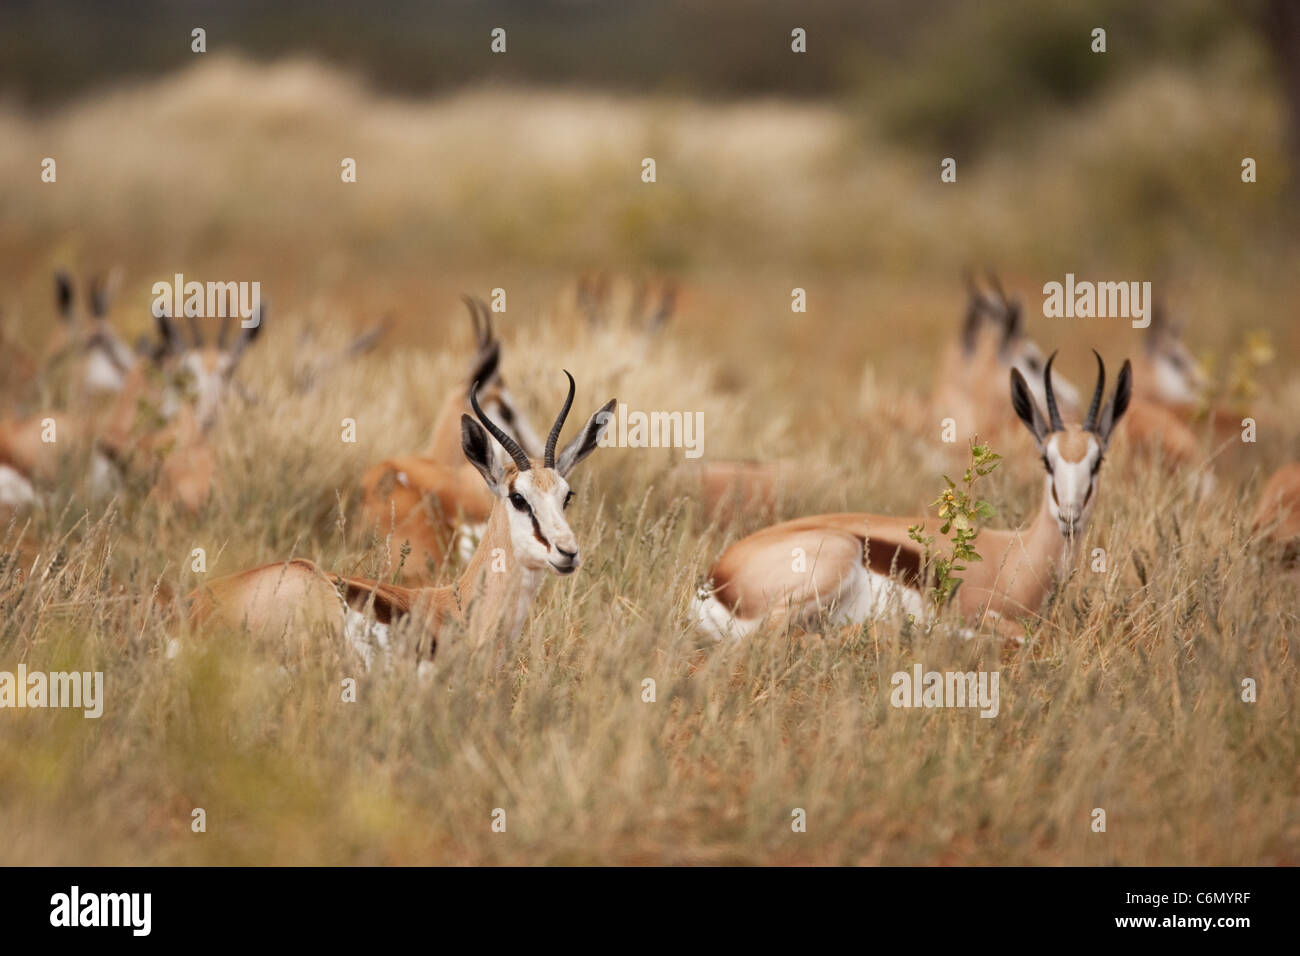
(944,71)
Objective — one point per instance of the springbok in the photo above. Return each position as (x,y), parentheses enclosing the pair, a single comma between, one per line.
(646,307)
(855,567)
(1166,375)
(434,503)
(969,385)
(527,536)
(159,423)
(1277,516)
(199,377)
(1165,371)
(103,360)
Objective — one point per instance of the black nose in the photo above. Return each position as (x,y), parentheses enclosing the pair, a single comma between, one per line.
(568,554)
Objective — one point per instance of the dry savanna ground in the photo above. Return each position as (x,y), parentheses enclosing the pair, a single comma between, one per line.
(1127,698)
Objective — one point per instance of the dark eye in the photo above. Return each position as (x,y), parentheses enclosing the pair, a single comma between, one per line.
(568,498)
(1033,364)
(517,500)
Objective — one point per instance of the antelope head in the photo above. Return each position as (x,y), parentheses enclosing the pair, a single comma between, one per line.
(1072,454)
(200,372)
(1174,376)
(105,359)
(535,493)
(1005,318)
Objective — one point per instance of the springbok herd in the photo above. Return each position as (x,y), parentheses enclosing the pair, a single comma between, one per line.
(490,497)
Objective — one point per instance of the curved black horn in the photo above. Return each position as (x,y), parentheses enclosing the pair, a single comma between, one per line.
(473,317)
(509,444)
(195,332)
(1090,423)
(1053,413)
(553,437)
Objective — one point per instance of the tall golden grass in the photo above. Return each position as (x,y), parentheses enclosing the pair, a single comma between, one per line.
(1128,697)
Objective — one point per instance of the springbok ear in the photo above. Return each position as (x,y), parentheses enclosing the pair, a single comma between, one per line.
(1022,400)
(1117,405)
(167,334)
(478,450)
(585,442)
(63,294)
(101,291)
(974,311)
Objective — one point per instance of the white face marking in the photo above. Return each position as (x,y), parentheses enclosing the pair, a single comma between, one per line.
(1071,485)
(1178,378)
(101,374)
(535,513)
(205,383)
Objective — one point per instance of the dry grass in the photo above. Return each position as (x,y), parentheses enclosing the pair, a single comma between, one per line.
(1128,698)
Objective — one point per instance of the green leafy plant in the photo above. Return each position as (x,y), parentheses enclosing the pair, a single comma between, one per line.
(961,513)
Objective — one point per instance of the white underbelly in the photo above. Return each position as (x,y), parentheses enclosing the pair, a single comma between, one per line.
(15,490)
(366,636)
(867,596)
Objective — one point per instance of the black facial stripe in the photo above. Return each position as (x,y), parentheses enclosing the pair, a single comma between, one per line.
(537,532)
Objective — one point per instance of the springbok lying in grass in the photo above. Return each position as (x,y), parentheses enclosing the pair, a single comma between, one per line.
(158,424)
(32,445)
(434,503)
(1168,387)
(98,359)
(527,536)
(647,306)
(848,568)
(1277,516)
(182,449)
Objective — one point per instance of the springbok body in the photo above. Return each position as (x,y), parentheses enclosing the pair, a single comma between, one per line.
(1277,515)
(436,502)
(526,536)
(855,567)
